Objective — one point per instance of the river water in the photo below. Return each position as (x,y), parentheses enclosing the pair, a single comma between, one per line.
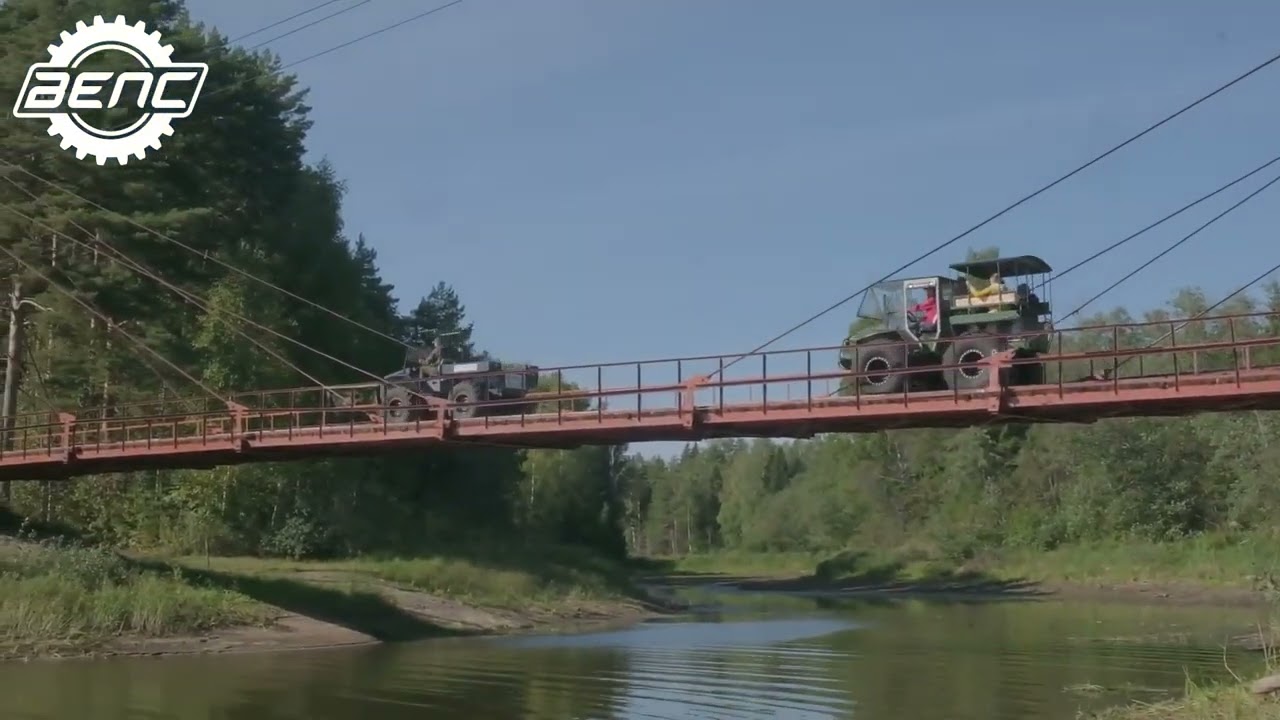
(741,656)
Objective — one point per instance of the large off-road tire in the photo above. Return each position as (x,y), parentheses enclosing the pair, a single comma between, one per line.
(404,406)
(879,358)
(465,392)
(973,351)
(512,407)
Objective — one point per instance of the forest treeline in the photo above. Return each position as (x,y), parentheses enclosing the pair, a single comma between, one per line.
(958,492)
(232,184)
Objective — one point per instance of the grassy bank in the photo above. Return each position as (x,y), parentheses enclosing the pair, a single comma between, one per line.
(58,598)
(61,599)
(494,576)
(1211,562)
(1226,702)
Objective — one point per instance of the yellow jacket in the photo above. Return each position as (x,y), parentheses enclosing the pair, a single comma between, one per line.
(992,289)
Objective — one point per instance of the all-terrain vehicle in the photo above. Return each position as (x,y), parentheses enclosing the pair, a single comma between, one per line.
(975,314)
(426,373)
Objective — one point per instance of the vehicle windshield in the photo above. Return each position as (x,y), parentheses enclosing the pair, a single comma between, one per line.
(883,304)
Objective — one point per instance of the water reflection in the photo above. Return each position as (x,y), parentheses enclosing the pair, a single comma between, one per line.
(757,657)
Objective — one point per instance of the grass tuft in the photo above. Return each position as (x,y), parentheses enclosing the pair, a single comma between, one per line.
(1225,702)
(57,593)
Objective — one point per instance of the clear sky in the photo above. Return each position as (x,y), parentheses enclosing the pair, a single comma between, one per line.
(611,180)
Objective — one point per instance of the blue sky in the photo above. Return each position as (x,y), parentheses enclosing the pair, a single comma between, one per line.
(612,180)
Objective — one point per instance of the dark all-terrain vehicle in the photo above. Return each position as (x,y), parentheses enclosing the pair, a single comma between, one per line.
(972,314)
(426,373)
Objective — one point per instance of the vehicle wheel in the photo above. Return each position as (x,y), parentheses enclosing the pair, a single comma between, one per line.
(971,351)
(879,358)
(465,392)
(402,405)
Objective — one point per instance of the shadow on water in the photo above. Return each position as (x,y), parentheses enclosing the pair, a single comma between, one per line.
(857,572)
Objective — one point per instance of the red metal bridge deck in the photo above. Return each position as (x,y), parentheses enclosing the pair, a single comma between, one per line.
(750,399)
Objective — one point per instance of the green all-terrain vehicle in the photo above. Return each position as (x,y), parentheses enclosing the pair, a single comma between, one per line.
(972,323)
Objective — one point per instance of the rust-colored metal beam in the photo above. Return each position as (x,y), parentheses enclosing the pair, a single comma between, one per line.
(1208,375)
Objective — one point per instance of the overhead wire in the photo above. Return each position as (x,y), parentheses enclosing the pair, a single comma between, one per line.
(1149,129)
(387,28)
(311,24)
(223,263)
(109,324)
(294,63)
(201,303)
(141,269)
(207,256)
(141,358)
(1155,224)
(280,22)
(1171,248)
(229,266)
(44,394)
(1221,189)
(1161,221)
(1200,315)
(194,299)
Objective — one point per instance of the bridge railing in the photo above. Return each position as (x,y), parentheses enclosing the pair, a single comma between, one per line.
(1079,359)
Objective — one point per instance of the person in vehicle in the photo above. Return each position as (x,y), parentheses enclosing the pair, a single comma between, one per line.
(993,287)
(431,364)
(927,311)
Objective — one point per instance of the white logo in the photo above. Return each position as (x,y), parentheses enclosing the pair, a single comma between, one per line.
(56,90)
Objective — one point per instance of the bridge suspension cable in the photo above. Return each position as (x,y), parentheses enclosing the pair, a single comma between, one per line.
(43,395)
(202,303)
(141,358)
(1161,221)
(1225,299)
(207,256)
(109,324)
(140,269)
(1116,148)
(1171,248)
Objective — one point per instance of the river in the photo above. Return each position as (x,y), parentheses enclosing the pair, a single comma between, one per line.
(742,655)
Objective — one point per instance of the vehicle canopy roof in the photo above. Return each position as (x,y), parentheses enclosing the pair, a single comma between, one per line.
(1007,267)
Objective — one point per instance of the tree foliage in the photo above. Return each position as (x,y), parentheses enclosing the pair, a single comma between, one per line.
(1014,485)
(232,184)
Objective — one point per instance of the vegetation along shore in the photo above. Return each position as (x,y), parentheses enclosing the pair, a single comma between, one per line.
(455,540)
(61,599)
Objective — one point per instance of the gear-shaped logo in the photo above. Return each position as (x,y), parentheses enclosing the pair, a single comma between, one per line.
(57,89)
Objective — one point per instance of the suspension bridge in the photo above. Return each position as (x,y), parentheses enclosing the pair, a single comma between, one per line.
(1198,364)
(1237,372)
